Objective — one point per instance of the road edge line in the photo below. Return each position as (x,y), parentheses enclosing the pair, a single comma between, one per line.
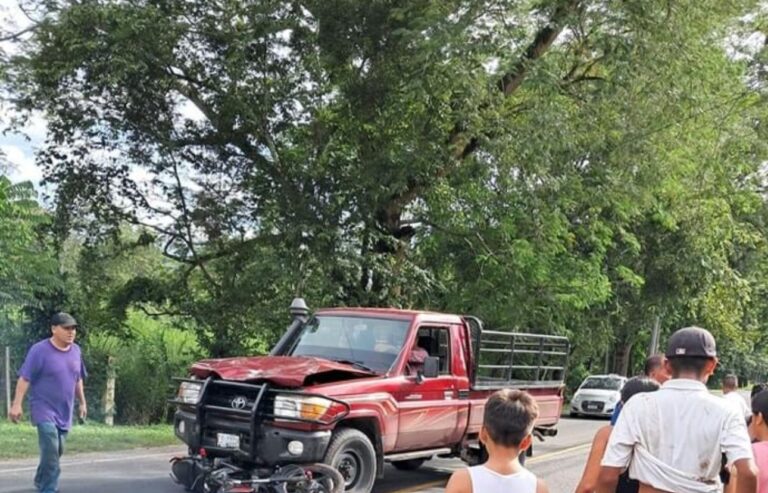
(533,460)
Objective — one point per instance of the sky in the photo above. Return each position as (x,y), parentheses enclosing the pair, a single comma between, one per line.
(18,149)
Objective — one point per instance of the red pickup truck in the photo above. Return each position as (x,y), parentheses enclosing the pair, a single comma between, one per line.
(355,388)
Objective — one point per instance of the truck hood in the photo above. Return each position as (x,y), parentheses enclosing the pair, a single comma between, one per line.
(283,371)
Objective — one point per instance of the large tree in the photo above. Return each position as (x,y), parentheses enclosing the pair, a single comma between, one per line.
(523,160)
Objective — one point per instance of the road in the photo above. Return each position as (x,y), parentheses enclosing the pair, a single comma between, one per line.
(559,460)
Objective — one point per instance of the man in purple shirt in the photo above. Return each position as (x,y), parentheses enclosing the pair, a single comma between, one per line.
(53,372)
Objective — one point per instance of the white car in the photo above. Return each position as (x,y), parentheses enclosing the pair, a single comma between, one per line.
(597,395)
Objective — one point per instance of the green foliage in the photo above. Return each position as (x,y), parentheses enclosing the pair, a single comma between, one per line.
(579,167)
(26,261)
(21,440)
(143,363)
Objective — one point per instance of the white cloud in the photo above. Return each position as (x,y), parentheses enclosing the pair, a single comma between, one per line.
(188,110)
(19,146)
(23,167)
(12,20)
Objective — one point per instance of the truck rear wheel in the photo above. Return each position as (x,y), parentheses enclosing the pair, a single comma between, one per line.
(408,465)
(353,455)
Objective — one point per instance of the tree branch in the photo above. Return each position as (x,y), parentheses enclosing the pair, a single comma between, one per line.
(547,35)
(187,223)
(15,36)
(170,313)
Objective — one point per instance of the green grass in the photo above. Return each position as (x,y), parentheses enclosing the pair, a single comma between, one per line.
(20,441)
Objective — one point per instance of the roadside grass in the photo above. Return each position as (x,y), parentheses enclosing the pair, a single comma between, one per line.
(20,441)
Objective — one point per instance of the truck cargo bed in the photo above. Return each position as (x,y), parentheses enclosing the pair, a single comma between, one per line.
(506,359)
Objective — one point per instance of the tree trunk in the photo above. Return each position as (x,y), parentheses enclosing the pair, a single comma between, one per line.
(622,355)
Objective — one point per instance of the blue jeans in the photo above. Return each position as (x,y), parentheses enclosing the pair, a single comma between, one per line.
(51,440)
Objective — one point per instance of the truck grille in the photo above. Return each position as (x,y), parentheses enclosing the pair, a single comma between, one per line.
(232,397)
(239,408)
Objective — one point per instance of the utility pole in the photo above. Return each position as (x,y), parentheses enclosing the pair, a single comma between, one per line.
(7,380)
(654,347)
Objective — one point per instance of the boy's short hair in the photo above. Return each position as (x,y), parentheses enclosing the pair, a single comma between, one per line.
(638,385)
(757,388)
(509,417)
(693,364)
(760,404)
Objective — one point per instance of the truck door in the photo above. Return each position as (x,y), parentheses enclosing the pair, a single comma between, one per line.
(429,411)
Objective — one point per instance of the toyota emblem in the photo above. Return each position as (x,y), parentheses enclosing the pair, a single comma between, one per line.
(238,402)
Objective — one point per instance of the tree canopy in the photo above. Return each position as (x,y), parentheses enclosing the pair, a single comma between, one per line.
(569,166)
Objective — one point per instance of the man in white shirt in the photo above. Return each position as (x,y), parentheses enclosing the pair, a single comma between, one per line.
(731,394)
(672,440)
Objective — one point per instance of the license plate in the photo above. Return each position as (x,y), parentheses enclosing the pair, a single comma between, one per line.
(593,407)
(225,440)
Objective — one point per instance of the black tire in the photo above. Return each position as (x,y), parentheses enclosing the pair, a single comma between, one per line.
(353,455)
(325,479)
(331,479)
(408,465)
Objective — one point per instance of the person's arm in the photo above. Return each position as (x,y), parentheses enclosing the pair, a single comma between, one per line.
(460,482)
(541,486)
(731,486)
(21,390)
(621,445)
(608,479)
(738,451)
(591,472)
(746,476)
(82,407)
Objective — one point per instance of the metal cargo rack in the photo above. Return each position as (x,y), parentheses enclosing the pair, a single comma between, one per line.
(516,359)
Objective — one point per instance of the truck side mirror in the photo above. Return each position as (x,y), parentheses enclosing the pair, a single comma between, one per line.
(431,367)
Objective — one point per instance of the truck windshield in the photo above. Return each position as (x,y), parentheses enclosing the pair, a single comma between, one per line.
(367,342)
(602,383)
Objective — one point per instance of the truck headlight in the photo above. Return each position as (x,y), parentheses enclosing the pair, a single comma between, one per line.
(301,407)
(189,392)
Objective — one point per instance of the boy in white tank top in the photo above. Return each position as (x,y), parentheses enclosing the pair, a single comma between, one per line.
(506,433)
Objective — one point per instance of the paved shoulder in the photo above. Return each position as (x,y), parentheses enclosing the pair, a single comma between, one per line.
(135,470)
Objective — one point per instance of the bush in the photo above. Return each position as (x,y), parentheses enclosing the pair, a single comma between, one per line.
(144,364)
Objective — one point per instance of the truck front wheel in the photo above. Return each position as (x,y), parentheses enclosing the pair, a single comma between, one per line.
(353,455)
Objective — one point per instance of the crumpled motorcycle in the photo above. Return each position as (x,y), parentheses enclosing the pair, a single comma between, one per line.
(200,475)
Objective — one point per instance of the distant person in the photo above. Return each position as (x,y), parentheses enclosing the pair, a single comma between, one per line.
(654,368)
(758,430)
(53,372)
(672,440)
(732,395)
(506,433)
(588,481)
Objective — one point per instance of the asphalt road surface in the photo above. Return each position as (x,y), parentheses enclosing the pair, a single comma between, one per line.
(558,460)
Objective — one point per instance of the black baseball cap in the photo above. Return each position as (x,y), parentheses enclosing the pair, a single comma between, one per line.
(63,319)
(691,342)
